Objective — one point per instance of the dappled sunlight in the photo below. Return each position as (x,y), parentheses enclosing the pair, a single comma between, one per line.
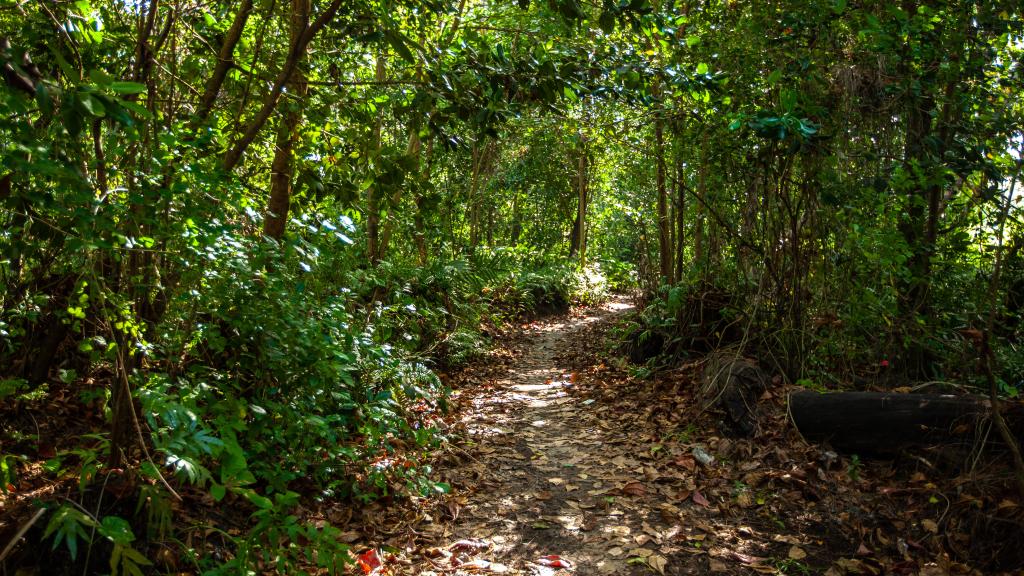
(618,305)
(559,487)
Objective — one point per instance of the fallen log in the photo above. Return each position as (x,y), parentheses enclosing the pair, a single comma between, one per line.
(881,422)
(735,384)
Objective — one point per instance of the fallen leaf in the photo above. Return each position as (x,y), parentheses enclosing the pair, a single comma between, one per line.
(658,563)
(744,499)
(717,566)
(850,565)
(634,489)
(369,561)
(469,545)
(699,499)
(687,462)
(930,526)
(797,553)
(349,537)
(554,561)
(641,553)
(479,564)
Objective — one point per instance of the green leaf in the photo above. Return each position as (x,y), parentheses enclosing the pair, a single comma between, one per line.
(217,491)
(70,72)
(69,525)
(116,529)
(702,68)
(123,87)
(259,501)
(693,40)
(788,99)
(398,42)
(100,77)
(140,111)
(91,104)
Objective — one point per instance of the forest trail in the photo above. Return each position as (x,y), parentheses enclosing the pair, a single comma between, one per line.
(551,487)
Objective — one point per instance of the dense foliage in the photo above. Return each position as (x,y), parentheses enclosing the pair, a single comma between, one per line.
(246,235)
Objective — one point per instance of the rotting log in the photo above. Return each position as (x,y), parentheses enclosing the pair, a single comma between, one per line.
(882,422)
(735,384)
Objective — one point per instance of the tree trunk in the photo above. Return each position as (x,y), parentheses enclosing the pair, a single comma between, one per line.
(413,152)
(680,236)
(578,240)
(481,163)
(698,233)
(420,233)
(373,193)
(282,167)
(664,223)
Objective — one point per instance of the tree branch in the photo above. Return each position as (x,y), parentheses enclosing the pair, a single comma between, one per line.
(234,154)
(225,59)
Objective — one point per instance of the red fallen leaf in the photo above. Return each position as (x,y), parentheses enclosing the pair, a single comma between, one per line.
(634,489)
(468,545)
(369,561)
(554,561)
(699,498)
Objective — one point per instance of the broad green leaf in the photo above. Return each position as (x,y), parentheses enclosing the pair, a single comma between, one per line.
(91,104)
(116,529)
(123,87)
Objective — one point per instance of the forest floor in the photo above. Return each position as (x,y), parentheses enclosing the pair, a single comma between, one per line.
(567,461)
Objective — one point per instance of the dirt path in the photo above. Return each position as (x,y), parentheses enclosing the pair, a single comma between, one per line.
(566,460)
(553,478)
